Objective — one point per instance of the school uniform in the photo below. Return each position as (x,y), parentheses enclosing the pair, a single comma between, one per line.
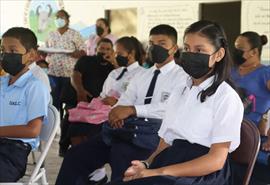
(40,74)
(191,127)
(83,159)
(115,84)
(21,102)
(119,79)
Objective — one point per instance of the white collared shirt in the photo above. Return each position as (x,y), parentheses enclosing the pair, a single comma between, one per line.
(40,74)
(171,77)
(216,120)
(120,85)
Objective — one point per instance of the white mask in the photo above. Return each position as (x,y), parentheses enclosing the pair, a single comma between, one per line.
(60,23)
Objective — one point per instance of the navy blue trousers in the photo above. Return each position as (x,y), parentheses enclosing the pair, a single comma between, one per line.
(83,159)
(13,159)
(181,151)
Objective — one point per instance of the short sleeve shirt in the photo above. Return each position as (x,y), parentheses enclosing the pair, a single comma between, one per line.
(93,73)
(28,98)
(216,120)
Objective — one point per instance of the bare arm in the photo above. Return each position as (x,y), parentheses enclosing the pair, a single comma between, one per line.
(31,130)
(268,85)
(78,53)
(162,145)
(213,161)
(76,82)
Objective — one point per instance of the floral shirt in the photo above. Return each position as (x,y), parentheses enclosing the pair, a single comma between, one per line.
(62,64)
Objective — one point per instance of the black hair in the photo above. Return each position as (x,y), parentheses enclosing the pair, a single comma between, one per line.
(217,37)
(65,12)
(42,61)
(26,37)
(106,40)
(106,22)
(164,29)
(255,40)
(133,44)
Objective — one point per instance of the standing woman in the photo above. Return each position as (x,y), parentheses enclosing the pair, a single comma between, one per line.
(103,30)
(202,121)
(254,78)
(61,64)
(251,75)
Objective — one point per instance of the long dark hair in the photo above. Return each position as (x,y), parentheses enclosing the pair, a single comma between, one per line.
(255,40)
(222,69)
(130,44)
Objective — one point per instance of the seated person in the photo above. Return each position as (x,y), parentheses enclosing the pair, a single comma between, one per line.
(143,102)
(23,100)
(254,78)
(129,54)
(87,80)
(200,126)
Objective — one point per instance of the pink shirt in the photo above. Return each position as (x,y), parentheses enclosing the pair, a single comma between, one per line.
(91,43)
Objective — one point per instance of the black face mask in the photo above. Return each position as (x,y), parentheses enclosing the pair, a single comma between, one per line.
(99,30)
(12,63)
(238,56)
(158,54)
(195,64)
(122,61)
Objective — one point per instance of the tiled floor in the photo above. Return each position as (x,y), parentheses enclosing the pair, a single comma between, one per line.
(52,163)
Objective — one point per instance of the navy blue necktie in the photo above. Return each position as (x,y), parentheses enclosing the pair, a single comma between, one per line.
(121,74)
(151,88)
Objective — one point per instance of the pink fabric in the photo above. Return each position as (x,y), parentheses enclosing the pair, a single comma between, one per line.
(95,112)
(252,98)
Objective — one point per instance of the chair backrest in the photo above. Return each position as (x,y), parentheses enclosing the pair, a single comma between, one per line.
(249,147)
(47,135)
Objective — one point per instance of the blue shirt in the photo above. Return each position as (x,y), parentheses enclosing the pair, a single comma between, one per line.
(255,83)
(23,101)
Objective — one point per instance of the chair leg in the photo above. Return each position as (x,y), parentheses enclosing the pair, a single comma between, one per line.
(34,157)
(43,177)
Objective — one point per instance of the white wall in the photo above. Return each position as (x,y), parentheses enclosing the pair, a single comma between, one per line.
(255,14)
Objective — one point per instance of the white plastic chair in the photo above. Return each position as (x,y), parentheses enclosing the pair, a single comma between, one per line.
(47,135)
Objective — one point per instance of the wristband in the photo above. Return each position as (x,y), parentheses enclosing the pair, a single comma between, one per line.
(146,164)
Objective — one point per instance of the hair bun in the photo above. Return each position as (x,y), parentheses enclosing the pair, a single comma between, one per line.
(264,39)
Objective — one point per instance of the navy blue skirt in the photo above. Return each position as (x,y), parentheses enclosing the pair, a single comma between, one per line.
(182,151)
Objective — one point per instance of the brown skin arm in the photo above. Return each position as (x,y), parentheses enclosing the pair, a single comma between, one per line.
(76,82)
(137,166)
(213,161)
(119,113)
(78,53)
(268,85)
(31,130)
(109,100)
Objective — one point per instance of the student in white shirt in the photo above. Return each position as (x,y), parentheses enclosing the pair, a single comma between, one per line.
(134,105)
(129,54)
(202,121)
